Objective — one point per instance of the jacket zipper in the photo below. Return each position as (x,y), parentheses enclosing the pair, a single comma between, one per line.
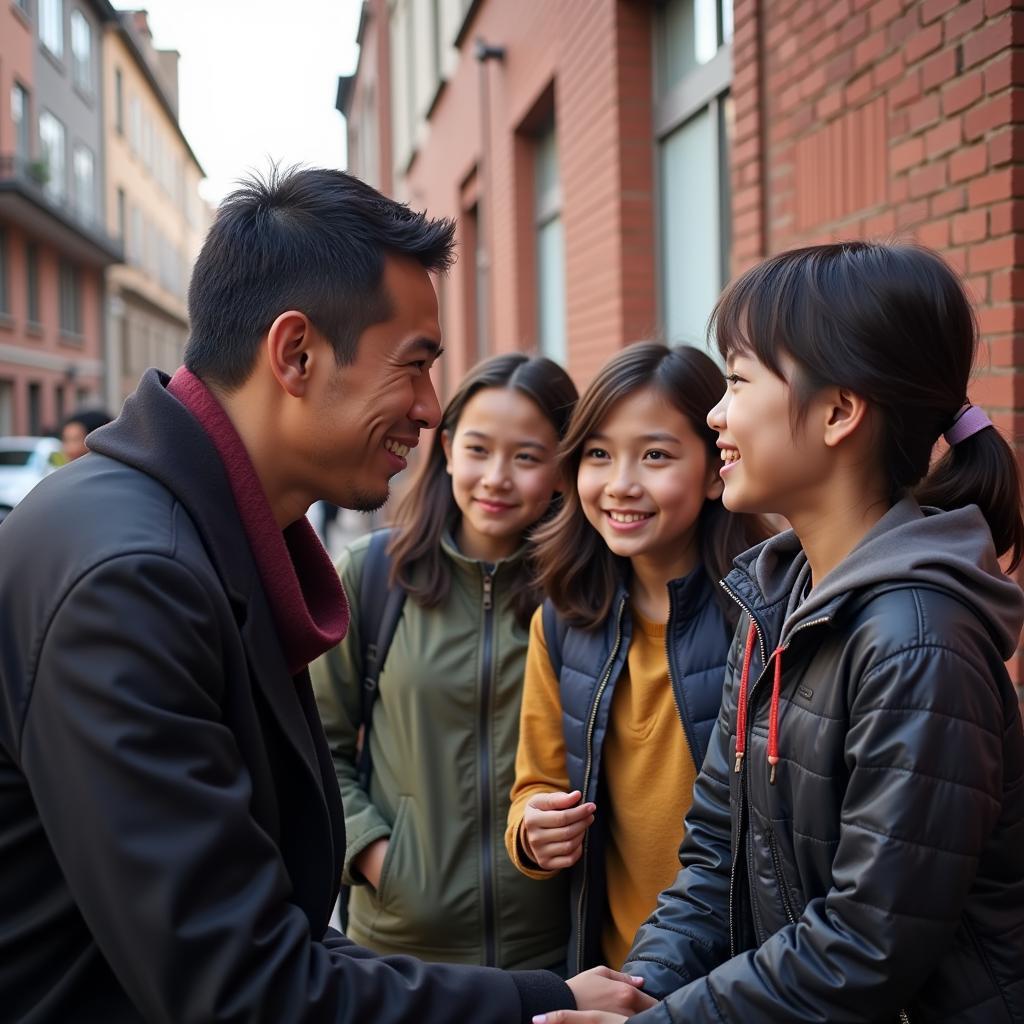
(743,776)
(904,1017)
(606,676)
(486,810)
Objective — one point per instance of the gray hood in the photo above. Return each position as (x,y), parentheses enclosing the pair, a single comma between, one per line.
(952,551)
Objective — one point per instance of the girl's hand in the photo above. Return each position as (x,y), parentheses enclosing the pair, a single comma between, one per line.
(603,989)
(370,861)
(553,829)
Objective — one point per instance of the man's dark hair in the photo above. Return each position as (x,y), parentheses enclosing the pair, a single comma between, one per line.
(90,419)
(314,240)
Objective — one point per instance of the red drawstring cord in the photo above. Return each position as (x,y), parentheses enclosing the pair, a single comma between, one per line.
(741,703)
(773,717)
(741,707)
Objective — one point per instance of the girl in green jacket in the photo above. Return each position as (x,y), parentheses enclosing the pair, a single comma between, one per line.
(425,855)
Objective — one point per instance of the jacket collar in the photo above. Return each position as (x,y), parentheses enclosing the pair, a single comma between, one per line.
(305,594)
(158,436)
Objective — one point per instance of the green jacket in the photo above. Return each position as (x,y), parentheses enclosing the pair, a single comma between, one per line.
(443,743)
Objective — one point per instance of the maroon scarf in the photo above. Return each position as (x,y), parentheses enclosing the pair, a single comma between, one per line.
(305,595)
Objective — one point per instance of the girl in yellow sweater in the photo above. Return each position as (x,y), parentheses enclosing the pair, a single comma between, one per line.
(626,658)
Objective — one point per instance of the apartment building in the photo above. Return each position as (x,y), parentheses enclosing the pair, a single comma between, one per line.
(611,164)
(54,245)
(153,205)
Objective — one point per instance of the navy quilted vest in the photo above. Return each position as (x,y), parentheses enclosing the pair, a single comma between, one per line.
(588,664)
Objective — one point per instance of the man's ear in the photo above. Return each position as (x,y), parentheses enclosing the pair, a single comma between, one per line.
(845,413)
(446,446)
(291,350)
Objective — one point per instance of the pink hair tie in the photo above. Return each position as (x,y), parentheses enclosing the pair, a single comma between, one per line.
(969,420)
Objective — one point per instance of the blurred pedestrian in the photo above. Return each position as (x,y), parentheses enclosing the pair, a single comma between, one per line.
(77,427)
(425,824)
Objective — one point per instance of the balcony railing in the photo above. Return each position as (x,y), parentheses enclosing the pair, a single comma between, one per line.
(30,177)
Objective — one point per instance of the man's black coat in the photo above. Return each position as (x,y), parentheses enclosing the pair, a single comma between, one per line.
(171,834)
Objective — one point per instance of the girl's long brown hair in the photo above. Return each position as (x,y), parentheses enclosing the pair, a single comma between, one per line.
(574,565)
(428,508)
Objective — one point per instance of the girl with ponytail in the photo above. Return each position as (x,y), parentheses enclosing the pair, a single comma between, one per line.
(854,848)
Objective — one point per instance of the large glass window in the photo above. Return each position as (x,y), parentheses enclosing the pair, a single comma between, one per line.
(84,166)
(51,25)
(22,123)
(53,145)
(81,51)
(693,63)
(551,330)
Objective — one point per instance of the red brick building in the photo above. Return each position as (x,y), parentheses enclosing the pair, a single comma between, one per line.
(612,163)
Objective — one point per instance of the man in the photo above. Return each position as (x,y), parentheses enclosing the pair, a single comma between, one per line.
(75,429)
(170,827)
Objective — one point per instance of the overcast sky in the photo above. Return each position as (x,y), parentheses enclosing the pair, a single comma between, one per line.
(257,80)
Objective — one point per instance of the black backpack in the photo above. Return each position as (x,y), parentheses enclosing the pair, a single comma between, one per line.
(380,608)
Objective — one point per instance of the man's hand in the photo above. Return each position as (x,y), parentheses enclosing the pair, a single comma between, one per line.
(370,861)
(602,989)
(553,829)
(579,1017)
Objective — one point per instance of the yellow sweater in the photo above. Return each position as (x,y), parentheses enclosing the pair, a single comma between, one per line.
(648,770)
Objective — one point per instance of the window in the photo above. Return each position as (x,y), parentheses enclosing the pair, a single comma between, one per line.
(5,298)
(6,407)
(35,407)
(22,129)
(121,224)
(135,237)
(60,400)
(135,124)
(551,335)
(118,101)
(51,25)
(32,281)
(70,299)
(81,51)
(52,143)
(84,166)
(693,62)
(22,6)
(147,142)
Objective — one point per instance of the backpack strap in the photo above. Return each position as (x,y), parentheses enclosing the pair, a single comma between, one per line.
(380,608)
(554,634)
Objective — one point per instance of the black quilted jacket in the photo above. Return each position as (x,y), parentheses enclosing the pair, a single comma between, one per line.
(880,876)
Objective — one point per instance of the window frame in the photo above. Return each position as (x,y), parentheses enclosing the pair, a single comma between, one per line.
(82,65)
(46,10)
(56,184)
(69,304)
(703,87)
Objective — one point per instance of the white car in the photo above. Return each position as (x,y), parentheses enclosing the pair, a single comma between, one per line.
(24,461)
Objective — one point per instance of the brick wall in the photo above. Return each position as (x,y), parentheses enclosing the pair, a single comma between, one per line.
(887,118)
(591,60)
